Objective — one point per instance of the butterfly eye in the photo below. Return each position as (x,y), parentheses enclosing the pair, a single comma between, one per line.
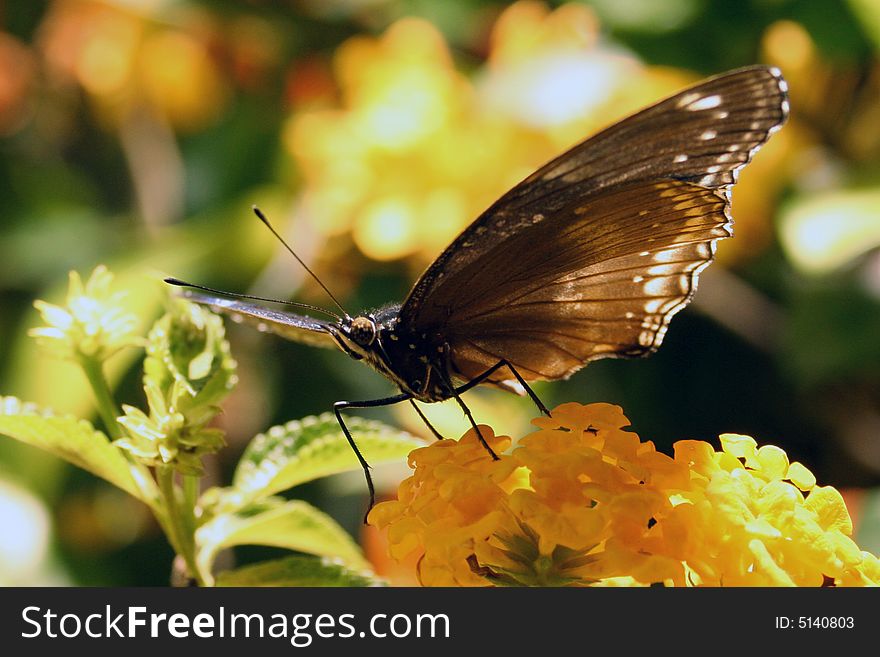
(363,331)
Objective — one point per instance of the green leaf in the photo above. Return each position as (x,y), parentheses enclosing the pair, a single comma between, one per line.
(296,571)
(294,525)
(314,447)
(76,441)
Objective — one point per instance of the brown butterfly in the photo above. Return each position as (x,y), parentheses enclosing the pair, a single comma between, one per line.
(587,258)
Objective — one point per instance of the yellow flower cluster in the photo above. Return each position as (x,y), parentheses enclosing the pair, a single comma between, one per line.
(581,502)
(92,324)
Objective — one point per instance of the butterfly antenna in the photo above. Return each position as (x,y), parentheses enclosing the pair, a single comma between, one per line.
(180,283)
(262,218)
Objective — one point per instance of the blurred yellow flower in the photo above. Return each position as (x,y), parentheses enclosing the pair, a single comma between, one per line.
(178,77)
(583,502)
(127,58)
(366,165)
(415,150)
(548,72)
(91,325)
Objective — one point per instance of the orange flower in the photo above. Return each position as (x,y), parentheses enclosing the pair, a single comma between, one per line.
(599,506)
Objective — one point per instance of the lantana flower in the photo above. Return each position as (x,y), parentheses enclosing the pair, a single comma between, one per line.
(92,324)
(582,501)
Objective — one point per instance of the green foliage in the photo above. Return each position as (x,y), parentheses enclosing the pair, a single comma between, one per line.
(296,571)
(292,524)
(77,442)
(158,455)
(302,450)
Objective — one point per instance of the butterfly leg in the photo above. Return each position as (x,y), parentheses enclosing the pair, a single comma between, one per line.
(372,403)
(425,420)
(473,422)
(497,366)
(455,392)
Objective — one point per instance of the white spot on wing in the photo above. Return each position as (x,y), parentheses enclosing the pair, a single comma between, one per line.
(665,256)
(785,109)
(681,157)
(707,102)
(709,134)
(655,287)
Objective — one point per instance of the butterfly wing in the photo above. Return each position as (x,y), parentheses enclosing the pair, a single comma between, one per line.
(601,287)
(593,254)
(291,326)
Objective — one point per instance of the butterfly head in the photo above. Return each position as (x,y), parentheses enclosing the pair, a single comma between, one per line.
(362,330)
(357,336)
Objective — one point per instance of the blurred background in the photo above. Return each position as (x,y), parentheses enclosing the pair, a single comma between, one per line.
(137,133)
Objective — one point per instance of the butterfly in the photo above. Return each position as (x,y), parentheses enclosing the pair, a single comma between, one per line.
(589,257)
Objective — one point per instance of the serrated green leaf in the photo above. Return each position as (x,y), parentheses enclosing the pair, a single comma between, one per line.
(297,571)
(293,524)
(77,442)
(302,450)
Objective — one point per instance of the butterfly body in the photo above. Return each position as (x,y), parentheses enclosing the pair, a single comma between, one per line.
(589,257)
(414,362)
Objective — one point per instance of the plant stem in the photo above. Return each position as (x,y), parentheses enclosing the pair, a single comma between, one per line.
(182,539)
(165,479)
(109,411)
(190,496)
(94,372)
